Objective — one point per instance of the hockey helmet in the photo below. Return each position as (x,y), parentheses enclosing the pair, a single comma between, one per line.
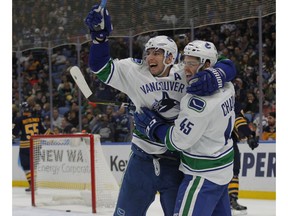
(24,106)
(204,50)
(165,43)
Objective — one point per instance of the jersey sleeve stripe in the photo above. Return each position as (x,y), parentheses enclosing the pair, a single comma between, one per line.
(106,72)
(168,140)
(208,163)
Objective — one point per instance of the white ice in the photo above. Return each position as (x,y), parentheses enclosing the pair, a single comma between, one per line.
(21,202)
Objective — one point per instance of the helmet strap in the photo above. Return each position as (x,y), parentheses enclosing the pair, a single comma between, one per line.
(199,68)
(166,56)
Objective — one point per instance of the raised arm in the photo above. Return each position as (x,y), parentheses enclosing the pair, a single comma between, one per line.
(99,23)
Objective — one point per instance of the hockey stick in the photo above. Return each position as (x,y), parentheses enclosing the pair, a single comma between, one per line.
(83,86)
(80,80)
(103,3)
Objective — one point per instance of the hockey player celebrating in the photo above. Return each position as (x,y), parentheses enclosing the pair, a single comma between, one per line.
(157,83)
(27,125)
(202,135)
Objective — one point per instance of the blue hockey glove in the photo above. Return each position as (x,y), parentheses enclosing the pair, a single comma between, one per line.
(206,82)
(99,23)
(147,122)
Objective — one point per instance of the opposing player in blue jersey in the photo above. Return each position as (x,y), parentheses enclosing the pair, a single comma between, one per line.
(202,135)
(156,83)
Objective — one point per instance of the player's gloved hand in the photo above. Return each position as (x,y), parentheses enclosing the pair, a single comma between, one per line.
(147,122)
(253,141)
(206,82)
(99,23)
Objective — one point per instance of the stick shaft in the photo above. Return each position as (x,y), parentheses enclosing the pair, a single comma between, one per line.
(103,3)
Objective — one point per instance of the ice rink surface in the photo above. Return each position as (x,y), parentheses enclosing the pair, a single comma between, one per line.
(21,202)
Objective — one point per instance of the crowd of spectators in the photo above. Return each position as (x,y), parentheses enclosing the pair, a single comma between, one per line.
(237,41)
(35,23)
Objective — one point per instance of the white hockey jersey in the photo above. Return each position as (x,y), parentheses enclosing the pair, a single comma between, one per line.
(202,133)
(161,94)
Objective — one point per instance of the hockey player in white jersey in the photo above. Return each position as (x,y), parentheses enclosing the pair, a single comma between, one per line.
(158,84)
(202,134)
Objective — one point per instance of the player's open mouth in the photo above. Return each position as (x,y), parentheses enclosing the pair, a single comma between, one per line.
(152,65)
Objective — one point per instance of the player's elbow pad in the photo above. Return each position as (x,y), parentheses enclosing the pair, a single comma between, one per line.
(99,56)
(228,67)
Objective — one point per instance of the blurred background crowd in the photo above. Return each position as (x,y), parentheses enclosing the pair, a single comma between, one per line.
(49,37)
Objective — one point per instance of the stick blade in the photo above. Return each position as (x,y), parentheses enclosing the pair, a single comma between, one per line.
(80,81)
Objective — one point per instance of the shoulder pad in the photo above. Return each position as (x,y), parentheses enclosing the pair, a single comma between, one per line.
(137,61)
(197,104)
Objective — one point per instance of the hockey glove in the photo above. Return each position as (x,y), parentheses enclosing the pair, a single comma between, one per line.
(206,82)
(99,23)
(253,141)
(147,122)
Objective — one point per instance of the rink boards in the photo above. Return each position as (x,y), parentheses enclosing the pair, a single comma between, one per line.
(257,175)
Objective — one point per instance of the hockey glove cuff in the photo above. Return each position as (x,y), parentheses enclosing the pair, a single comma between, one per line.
(206,82)
(228,67)
(147,122)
